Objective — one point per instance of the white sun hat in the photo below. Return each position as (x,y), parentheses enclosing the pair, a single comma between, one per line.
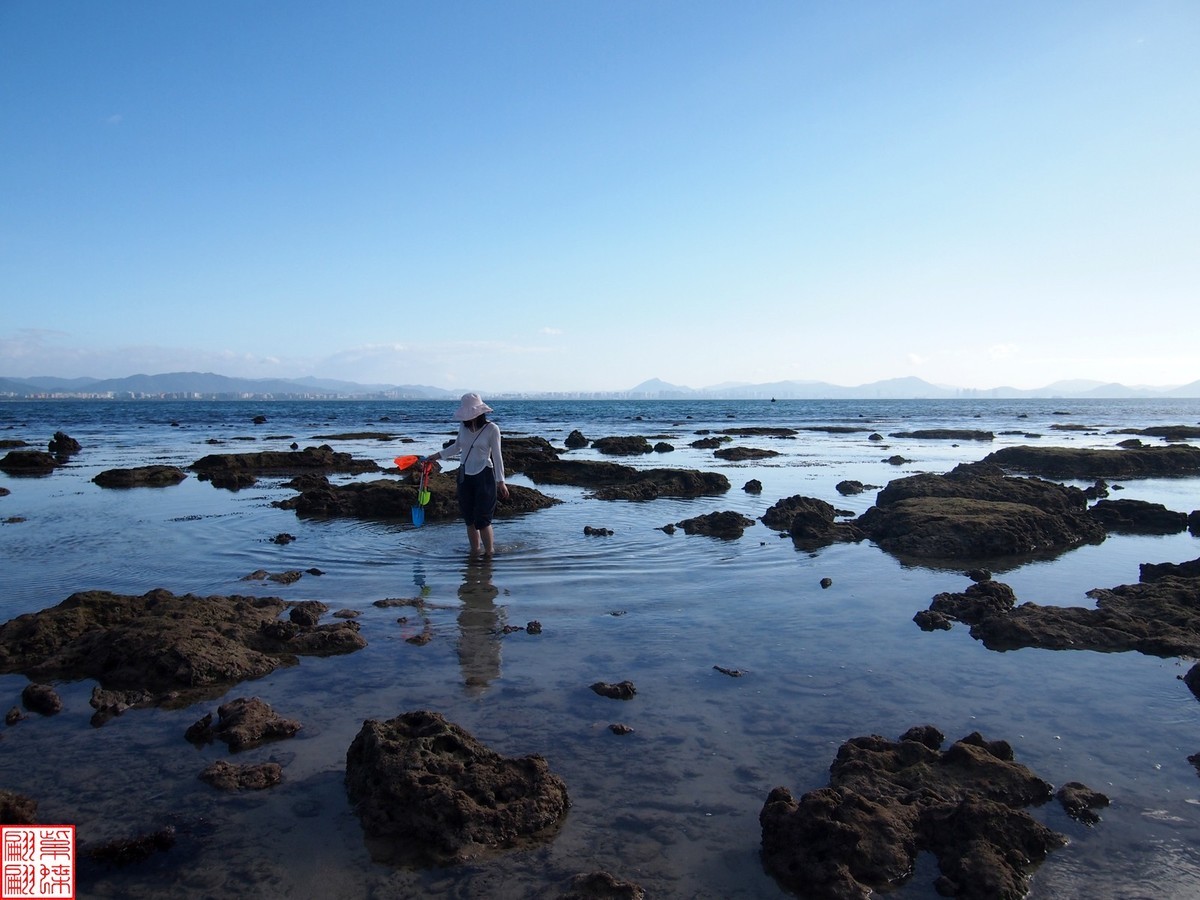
(471,407)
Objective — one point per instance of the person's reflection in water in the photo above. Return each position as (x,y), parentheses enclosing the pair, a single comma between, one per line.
(479,625)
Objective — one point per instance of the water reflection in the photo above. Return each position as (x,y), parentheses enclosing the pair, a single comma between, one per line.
(479,627)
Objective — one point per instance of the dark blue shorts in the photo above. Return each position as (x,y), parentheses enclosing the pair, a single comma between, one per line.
(477,498)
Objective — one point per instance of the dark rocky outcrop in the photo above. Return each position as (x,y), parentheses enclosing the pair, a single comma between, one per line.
(742,454)
(928,620)
(428,792)
(29,462)
(63,445)
(753,486)
(888,801)
(1080,802)
(1138,517)
(976,603)
(391,499)
(1089,463)
(1159,616)
(141,476)
(1148,572)
(976,512)
(810,522)
(523,453)
(613,481)
(243,723)
(41,698)
(112,703)
(237,470)
(725,524)
(575,440)
(163,646)
(1166,432)
(946,434)
(634,445)
(759,431)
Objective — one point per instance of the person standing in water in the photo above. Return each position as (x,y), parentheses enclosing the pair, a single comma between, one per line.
(481,472)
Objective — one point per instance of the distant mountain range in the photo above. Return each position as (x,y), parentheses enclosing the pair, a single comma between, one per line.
(907,389)
(206,385)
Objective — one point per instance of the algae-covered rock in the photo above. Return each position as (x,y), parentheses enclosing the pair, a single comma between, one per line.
(429,792)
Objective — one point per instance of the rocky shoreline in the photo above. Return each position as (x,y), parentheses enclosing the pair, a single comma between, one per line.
(429,793)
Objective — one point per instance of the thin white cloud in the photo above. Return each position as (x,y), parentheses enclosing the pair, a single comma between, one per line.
(547,329)
(1003,351)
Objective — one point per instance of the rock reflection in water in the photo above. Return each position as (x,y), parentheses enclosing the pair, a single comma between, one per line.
(479,625)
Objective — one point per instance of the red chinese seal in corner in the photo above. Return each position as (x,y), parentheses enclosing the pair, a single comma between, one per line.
(38,862)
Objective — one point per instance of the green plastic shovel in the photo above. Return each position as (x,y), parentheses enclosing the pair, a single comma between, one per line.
(423,495)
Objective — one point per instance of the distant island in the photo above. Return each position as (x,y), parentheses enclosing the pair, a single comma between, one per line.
(209,386)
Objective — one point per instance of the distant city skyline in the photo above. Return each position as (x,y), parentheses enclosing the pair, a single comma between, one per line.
(208,384)
(526,195)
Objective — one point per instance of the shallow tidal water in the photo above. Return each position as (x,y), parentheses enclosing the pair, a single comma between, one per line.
(672,806)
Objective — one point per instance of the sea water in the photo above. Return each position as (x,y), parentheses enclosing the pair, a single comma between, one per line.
(674,804)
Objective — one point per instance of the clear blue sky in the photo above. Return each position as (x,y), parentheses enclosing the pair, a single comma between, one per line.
(575,194)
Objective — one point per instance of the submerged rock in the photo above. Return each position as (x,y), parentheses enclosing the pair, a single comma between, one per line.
(888,801)
(124,851)
(227,776)
(430,793)
(602,886)
(623,690)
(17,809)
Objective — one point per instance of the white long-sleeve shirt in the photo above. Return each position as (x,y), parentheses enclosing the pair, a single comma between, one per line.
(482,448)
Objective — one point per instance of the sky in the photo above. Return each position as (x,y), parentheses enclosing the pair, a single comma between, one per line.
(585,194)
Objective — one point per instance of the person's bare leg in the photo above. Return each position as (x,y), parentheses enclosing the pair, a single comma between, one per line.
(489,540)
(473,538)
